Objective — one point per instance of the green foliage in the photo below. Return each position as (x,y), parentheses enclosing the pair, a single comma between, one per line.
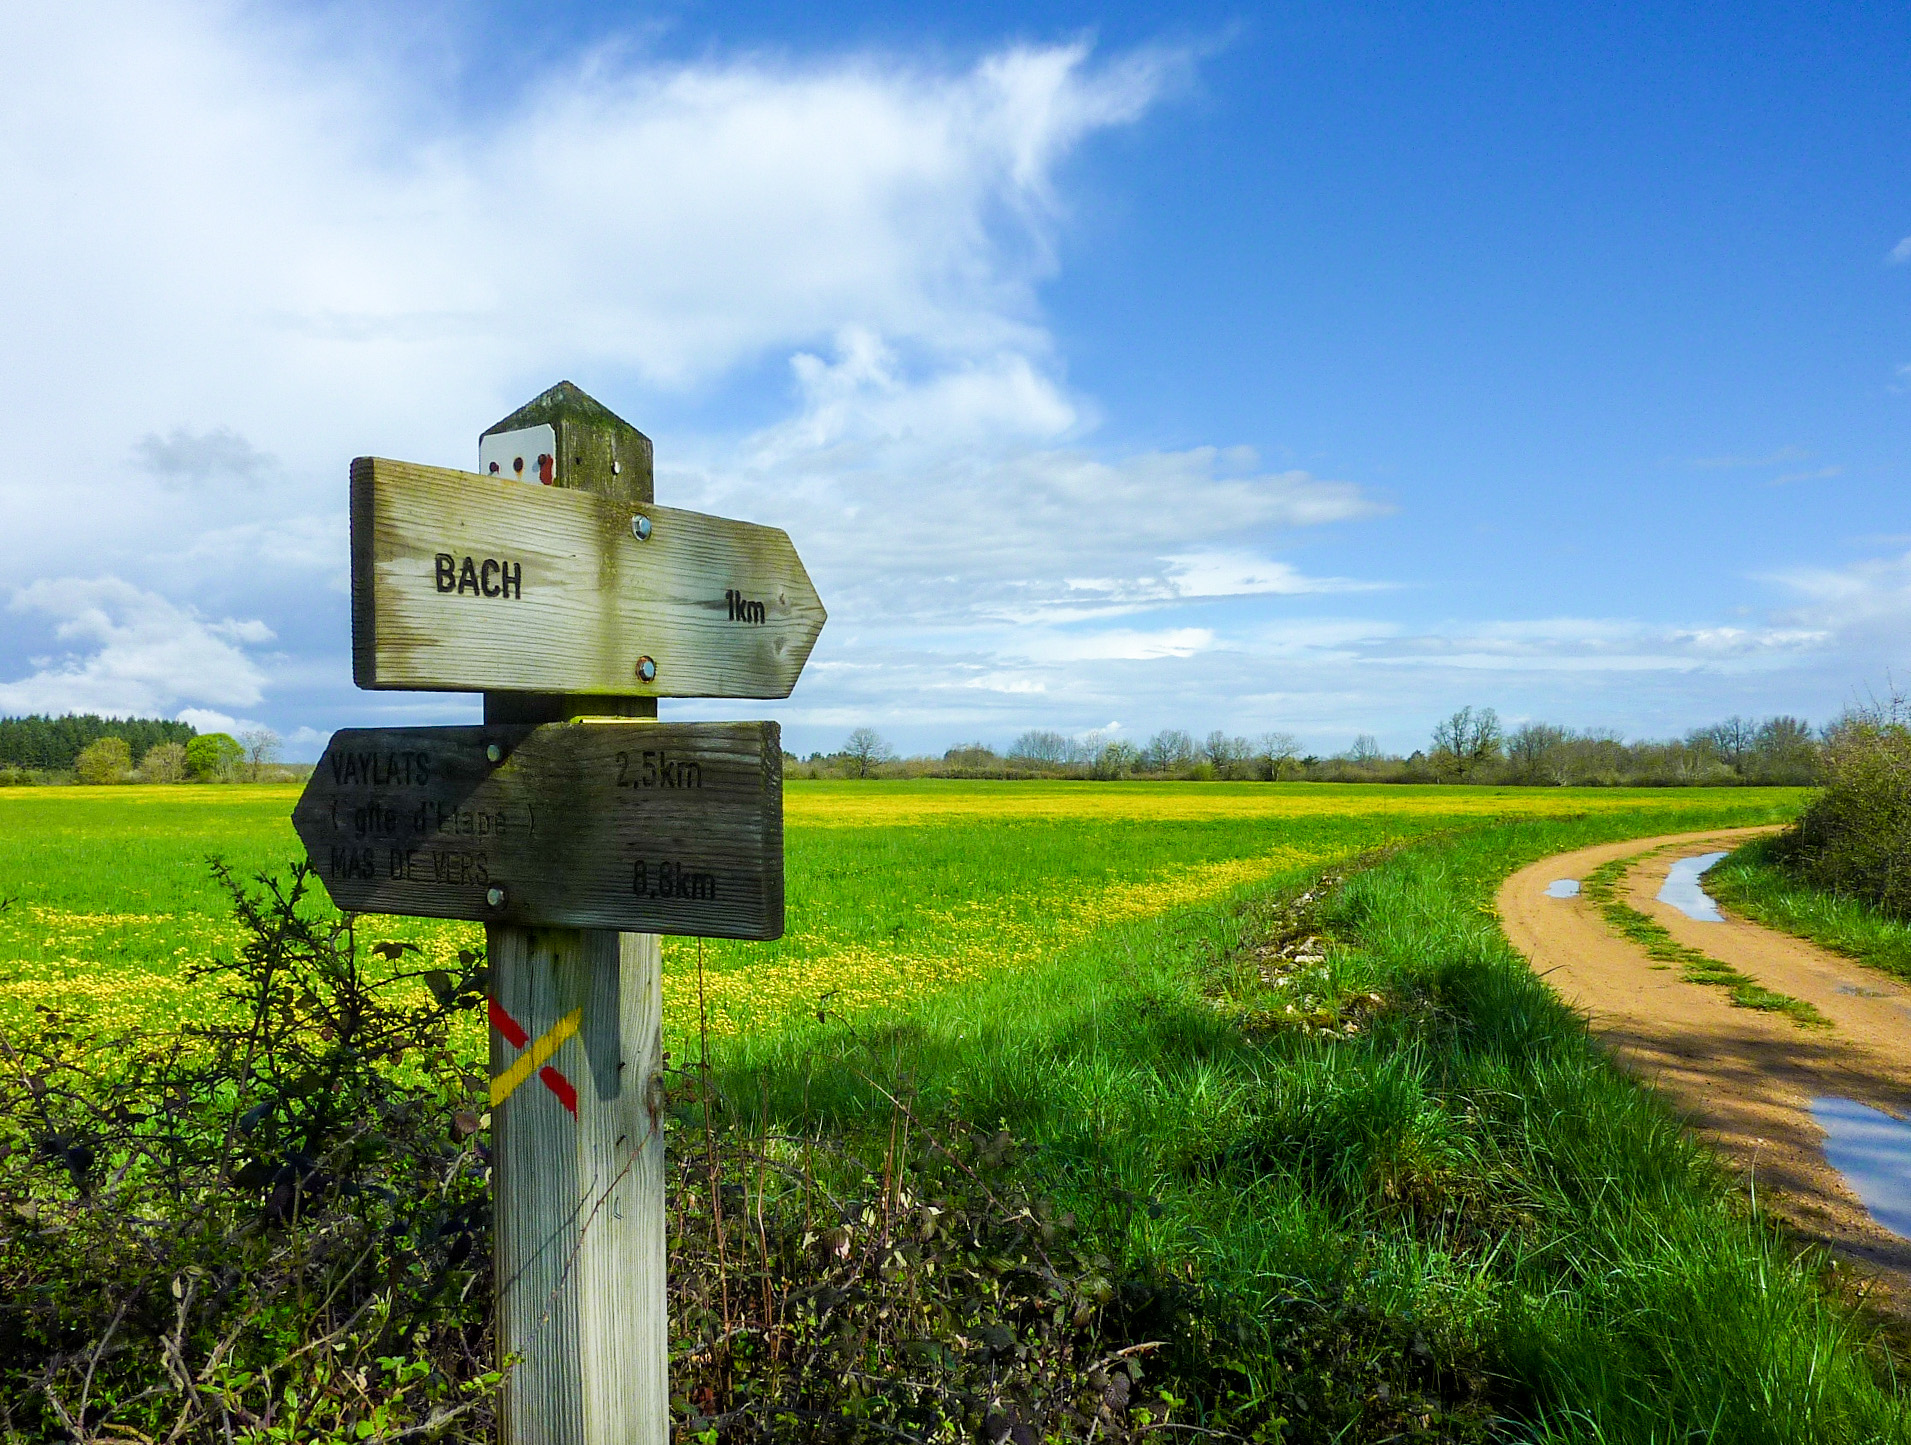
(214,757)
(1855,840)
(266,1228)
(50,744)
(107,760)
(163,763)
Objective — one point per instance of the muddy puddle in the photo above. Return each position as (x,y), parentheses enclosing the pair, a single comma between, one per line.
(1683,892)
(1872,1151)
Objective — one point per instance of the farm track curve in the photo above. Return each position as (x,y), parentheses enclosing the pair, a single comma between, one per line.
(1742,1079)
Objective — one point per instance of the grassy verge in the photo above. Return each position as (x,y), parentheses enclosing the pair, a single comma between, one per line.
(1753,883)
(1602,890)
(1365,1175)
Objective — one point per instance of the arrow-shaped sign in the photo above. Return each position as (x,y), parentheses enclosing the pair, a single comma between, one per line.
(642,826)
(467,583)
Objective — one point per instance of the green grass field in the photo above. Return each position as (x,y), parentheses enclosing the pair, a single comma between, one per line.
(1389,1186)
(895,889)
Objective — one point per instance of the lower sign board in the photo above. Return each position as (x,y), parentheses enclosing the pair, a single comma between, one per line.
(641,826)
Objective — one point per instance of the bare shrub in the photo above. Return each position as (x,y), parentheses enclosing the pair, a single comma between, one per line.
(1855,839)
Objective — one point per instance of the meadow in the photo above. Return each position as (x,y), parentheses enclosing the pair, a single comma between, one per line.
(1338,1162)
(895,889)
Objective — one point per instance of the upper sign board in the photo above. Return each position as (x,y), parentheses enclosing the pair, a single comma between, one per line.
(464,582)
(646,827)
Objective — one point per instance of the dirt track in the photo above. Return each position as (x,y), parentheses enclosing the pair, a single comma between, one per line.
(1743,1079)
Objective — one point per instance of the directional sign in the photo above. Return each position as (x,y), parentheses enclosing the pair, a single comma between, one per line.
(642,826)
(466,583)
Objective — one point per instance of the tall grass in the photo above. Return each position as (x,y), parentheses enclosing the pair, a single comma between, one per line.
(1756,882)
(1384,1182)
(1357,1169)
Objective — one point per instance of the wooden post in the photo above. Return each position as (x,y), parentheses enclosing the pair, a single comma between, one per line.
(580,1201)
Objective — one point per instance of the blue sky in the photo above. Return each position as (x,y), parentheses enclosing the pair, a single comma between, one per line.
(1289,367)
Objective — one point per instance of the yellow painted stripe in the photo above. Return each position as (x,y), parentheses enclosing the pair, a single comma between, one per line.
(533,1058)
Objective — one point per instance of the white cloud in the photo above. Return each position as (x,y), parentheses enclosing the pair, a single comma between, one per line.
(210,720)
(1120,644)
(1864,595)
(1900,253)
(133,652)
(1242,574)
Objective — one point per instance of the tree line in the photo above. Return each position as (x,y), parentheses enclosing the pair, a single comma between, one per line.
(53,744)
(1470,745)
(87,748)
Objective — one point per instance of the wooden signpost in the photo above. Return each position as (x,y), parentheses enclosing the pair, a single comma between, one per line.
(602,823)
(551,582)
(467,581)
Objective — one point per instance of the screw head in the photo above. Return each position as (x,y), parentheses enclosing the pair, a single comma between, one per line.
(494,897)
(646,670)
(493,753)
(640,528)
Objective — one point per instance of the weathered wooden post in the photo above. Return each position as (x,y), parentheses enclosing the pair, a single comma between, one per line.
(579,1204)
(578,828)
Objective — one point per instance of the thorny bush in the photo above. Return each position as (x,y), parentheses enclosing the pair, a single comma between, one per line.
(273,1224)
(1855,838)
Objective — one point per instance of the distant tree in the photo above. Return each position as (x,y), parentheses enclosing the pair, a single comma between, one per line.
(1466,741)
(866,749)
(972,756)
(213,757)
(164,763)
(1119,759)
(107,761)
(1365,750)
(1277,752)
(1039,745)
(1537,753)
(1784,750)
(261,751)
(1168,751)
(1230,757)
(1731,739)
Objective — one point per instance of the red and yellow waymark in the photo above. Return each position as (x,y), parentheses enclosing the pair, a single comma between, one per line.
(534,1060)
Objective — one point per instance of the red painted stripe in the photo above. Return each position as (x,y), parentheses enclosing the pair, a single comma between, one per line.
(561,1086)
(516,1037)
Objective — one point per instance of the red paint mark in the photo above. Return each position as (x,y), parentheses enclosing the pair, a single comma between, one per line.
(508,1026)
(561,1086)
(547,469)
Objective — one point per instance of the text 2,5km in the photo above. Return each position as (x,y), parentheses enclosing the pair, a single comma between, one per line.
(657,768)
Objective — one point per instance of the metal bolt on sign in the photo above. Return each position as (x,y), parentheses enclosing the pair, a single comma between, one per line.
(577,828)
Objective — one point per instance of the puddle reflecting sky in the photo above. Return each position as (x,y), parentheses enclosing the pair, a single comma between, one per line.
(1564,888)
(1682,889)
(1873,1151)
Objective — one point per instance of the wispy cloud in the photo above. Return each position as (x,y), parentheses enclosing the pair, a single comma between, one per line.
(1782,457)
(132,651)
(1900,253)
